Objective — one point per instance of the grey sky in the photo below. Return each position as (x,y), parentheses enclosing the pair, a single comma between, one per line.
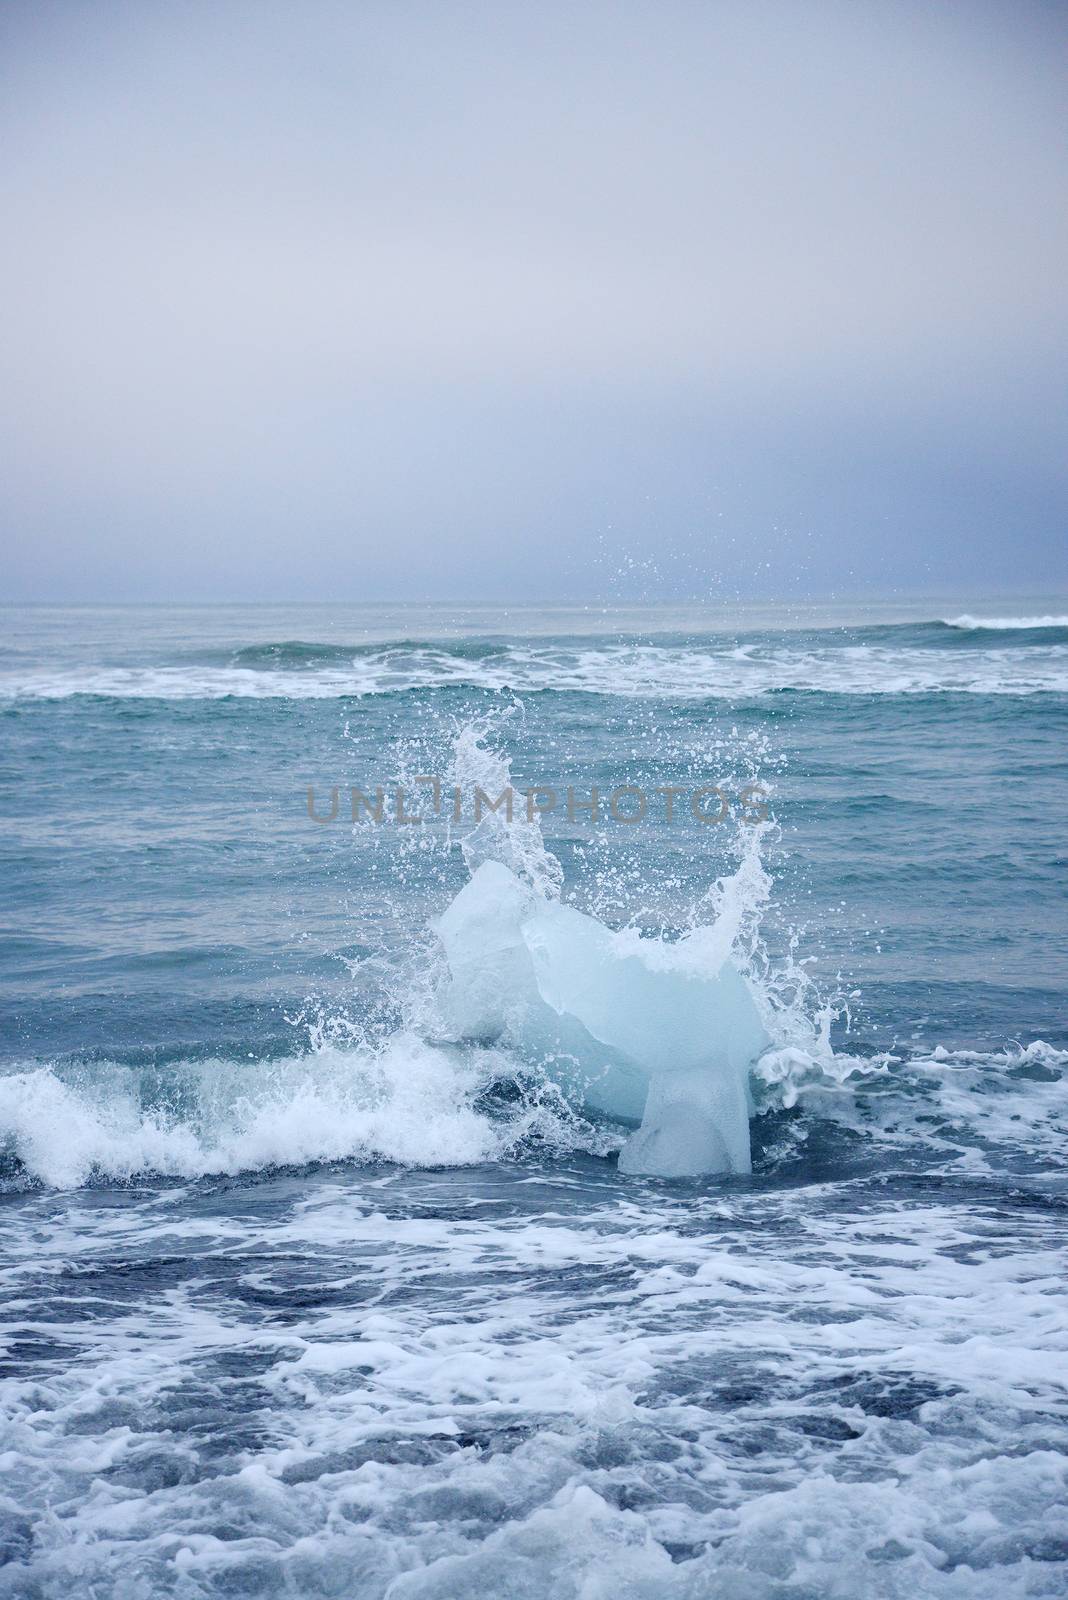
(368,300)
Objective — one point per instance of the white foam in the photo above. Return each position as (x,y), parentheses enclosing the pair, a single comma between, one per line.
(1006,623)
(641,1397)
(642,672)
(408,1103)
(979,1111)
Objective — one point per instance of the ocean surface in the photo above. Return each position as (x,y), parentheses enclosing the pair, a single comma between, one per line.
(303,1297)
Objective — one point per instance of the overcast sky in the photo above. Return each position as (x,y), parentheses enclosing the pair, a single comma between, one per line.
(678,298)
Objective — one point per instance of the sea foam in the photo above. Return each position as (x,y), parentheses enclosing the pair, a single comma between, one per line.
(408,1103)
(716,670)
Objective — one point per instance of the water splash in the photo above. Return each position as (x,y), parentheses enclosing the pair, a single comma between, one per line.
(517,843)
(378,1080)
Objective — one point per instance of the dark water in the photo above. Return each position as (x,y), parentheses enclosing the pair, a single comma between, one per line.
(301,1298)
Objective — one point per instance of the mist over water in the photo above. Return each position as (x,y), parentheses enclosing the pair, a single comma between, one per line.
(307,1292)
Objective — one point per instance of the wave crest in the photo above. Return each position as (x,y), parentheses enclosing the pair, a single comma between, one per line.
(410,1103)
(1005,624)
(629,671)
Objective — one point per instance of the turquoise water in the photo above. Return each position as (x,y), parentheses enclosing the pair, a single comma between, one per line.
(302,1297)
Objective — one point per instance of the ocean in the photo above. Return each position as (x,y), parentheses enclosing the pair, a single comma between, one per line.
(305,1295)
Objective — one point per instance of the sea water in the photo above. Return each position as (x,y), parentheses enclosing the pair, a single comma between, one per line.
(310,1287)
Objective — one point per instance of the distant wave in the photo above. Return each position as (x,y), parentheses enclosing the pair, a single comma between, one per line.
(1005,624)
(720,670)
(298,653)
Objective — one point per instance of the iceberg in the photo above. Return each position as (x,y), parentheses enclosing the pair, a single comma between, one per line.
(645,1032)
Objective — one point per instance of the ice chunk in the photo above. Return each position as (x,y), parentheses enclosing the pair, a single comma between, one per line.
(636,1026)
(489,963)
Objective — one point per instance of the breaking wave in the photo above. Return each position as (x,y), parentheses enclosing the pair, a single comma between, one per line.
(409,1097)
(1006,624)
(415,1105)
(642,671)
(408,1103)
